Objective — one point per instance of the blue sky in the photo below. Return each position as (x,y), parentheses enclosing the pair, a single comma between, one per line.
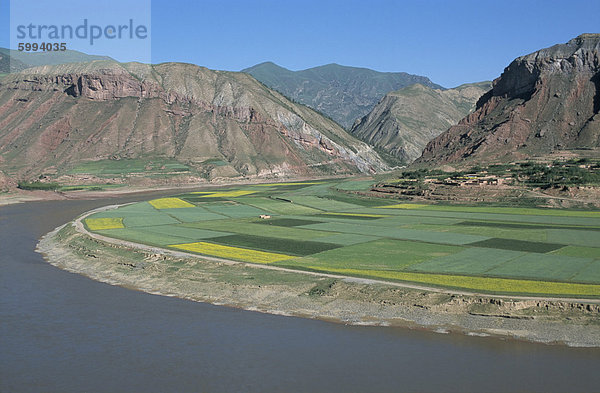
(451,42)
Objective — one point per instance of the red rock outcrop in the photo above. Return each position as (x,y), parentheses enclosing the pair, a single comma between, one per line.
(543,102)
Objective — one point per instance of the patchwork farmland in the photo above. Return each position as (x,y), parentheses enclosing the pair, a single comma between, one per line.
(325,227)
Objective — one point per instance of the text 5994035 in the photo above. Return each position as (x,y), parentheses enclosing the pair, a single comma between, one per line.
(42,47)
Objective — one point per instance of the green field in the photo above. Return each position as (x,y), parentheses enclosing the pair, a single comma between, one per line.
(325,226)
(125,166)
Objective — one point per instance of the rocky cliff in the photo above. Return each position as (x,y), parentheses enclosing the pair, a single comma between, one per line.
(58,116)
(404,121)
(542,103)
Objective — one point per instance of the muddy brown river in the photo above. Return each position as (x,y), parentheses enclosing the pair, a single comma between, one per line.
(62,332)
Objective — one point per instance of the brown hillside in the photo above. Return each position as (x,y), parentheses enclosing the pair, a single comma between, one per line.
(58,116)
(543,103)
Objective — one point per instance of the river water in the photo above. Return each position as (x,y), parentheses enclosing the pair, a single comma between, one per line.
(62,332)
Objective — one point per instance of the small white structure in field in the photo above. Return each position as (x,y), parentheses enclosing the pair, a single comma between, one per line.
(265,216)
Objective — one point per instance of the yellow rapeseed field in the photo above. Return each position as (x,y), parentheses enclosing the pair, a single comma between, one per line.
(230,194)
(169,203)
(228,252)
(403,206)
(286,184)
(477,283)
(224,194)
(96,224)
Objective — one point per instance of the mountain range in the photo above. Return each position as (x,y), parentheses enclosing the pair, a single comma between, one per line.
(14,60)
(229,125)
(343,93)
(404,121)
(54,117)
(10,65)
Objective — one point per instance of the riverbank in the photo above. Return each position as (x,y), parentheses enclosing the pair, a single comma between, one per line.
(16,195)
(24,196)
(327,297)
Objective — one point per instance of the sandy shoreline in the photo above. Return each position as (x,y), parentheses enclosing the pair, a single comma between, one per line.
(326,297)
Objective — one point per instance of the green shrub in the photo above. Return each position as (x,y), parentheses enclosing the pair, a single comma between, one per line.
(37,185)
